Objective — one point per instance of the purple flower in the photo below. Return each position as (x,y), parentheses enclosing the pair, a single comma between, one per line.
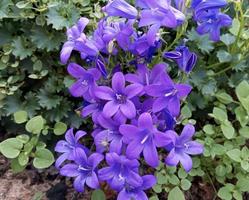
(211,21)
(146,77)
(157,14)
(84,169)
(85,80)
(137,193)
(144,138)
(121,171)
(185,59)
(109,137)
(73,34)
(168,95)
(165,121)
(120,8)
(68,147)
(118,97)
(181,147)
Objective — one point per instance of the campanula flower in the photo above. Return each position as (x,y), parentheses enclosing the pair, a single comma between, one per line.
(185,59)
(120,8)
(168,95)
(85,80)
(158,14)
(129,192)
(73,34)
(211,22)
(146,77)
(118,96)
(144,138)
(120,171)
(182,146)
(67,147)
(109,138)
(84,169)
(164,120)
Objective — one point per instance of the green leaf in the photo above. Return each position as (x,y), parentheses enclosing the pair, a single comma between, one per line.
(176,194)
(154,198)
(23,159)
(60,128)
(224,56)
(242,92)
(16,167)
(224,97)
(241,116)
(4,8)
(245,165)
(185,184)
(35,125)
(23,138)
(20,116)
(219,114)
(225,193)
(228,130)
(43,158)
(243,184)
(98,195)
(174,180)
(234,154)
(22,4)
(244,132)
(11,147)
(237,195)
(235,27)
(48,100)
(209,129)
(21,48)
(227,39)
(157,188)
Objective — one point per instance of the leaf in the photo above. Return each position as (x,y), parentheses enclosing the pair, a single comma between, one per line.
(209,129)
(23,159)
(11,147)
(244,132)
(219,114)
(98,195)
(235,27)
(63,15)
(237,195)
(228,130)
(23,138)
(21,48)
(20,116)
(225,193)
(176,194)
(223,97)
(234,154)
(42,38)
(48,100)
(22,4)
(35,125)
(4,8)
(227,39)
(43,158)
(16,167)
(224,56)
(60,128)
(242,92)
(185,184)
(243,184)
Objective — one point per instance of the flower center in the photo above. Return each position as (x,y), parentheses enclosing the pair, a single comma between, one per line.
(144,139)
(81,168)
(120,177)
(121,98)
(172,93)
(186,146)
(84,82)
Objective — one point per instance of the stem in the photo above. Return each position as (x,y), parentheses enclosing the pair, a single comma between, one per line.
(222,71)
(211,182)
(215,65)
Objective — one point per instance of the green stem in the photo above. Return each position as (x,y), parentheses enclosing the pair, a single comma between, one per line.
(215,65)
(223,70)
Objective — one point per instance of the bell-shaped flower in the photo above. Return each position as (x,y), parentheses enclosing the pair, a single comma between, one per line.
(86,80)
(182,146)
(120,8)
(73,34)
(168,95)
(67,147)
(118,97)
(84,169)
(120,171)
(144,138)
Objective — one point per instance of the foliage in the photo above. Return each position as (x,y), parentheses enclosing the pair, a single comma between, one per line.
(34,100)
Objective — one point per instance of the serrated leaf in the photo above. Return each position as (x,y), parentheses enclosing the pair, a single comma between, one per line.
(224,56)
(48,100)
(4,8)
(21,48)
(227,39)
(43,158)
(235,27)
(11,147)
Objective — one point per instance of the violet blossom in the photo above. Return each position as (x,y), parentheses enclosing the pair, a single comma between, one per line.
(182,146)
(84,169)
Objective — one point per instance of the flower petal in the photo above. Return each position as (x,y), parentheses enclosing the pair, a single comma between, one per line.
(79,184)
(133,90)
(70,170)
(183,90)
(186,161)
(129,131)
(118,82)
(159,104)
(76,70)
(194,148)
(172,158)
(104,93)
(110,109)
(134,149)
(145,121)
(95,159)
(187,133)
(128,109)
(92,181)
(150,154)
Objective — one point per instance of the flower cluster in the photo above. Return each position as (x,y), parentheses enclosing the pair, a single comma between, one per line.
(130,96)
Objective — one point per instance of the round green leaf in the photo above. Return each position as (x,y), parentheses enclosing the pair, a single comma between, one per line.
(98,195)
(60,128)
(20,116)
(43,158)
(234,154)
(23,159)
(176,194)
(11,147)
(185,184)
(35,125)
(225,193)
(23,138)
